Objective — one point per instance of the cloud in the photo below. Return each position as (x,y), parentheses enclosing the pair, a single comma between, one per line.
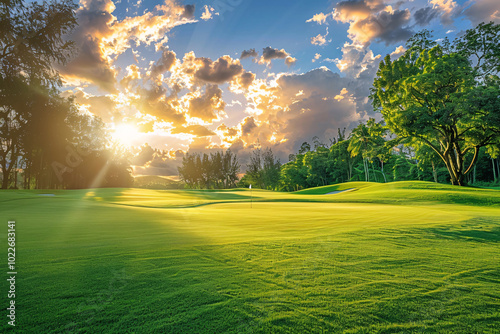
(150,161)
(133,74)
(154,102)
(242,82)
(163,64)
(90,65)
(483,11)
(342,95)
(355,59)
(292,109)
(222,70)
(355,10)
(248,53)
(196,130)
(316,57)
(100,38)
(448,9)
(319,18)
(289,61)
(385,26)
(424,16)
(228,133)
(248,125)
(372,20)
(208,13)
(188,12)
(320,39)
(400,50)
(269,53)
(207,106)
(102,106)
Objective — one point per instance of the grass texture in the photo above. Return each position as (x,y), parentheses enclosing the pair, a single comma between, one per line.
(403,257)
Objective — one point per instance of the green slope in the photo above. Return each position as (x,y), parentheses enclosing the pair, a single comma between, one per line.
(406,257)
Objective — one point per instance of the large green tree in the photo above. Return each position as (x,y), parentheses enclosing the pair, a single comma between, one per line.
(31,41)
(447,98)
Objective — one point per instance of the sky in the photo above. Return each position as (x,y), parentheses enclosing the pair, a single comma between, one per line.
(200,76)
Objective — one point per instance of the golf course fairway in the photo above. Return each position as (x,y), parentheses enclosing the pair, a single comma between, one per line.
(403,257)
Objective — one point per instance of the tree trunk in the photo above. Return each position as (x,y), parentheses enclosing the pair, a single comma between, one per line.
(365,166)
(382,169)
(374,174)
(454,169)
(494,170)
(434,173)
(5,178)
(15,173)
(498,166)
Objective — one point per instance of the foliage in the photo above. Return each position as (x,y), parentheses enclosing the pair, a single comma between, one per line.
(263,171)
(43,136)
(215,171)
(444,98)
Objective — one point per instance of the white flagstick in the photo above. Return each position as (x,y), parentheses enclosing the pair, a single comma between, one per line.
(250,196)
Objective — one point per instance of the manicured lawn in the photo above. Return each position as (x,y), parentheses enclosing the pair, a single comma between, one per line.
(406,257)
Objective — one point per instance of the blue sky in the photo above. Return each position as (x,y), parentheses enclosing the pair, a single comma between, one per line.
(170,74)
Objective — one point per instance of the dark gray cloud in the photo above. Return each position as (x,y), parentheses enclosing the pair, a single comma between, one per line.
(317,116)
(315,103)
(269,53)
(209,105)
(188,12)
(424,16)
(217,72)
(248,125)
(163,64)
(245,79)
(88,63)
(248,54)
(387,27)
(483,11)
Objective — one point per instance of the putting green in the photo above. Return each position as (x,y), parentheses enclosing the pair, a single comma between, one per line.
(387,258)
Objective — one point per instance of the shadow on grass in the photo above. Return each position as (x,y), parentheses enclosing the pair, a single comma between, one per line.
(479,230)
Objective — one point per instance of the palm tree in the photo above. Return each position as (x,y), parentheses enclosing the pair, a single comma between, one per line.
(360,143)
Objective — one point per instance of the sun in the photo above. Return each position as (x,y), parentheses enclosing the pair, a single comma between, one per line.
(125,134)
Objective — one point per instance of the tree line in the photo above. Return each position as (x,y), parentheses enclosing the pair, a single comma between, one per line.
(217,170)
(368,155)
(45,142)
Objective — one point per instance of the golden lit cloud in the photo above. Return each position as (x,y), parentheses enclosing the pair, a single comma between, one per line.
(319,18)
(320,39)
(447,7)
(100,38)
(208,13)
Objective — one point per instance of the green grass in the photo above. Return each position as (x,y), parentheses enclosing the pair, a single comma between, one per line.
(405,257)
(156,182)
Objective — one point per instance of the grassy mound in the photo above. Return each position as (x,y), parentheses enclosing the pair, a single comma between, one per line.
(157,182)
(408,192)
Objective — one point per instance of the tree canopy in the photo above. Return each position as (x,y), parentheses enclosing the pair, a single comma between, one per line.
(444,97)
